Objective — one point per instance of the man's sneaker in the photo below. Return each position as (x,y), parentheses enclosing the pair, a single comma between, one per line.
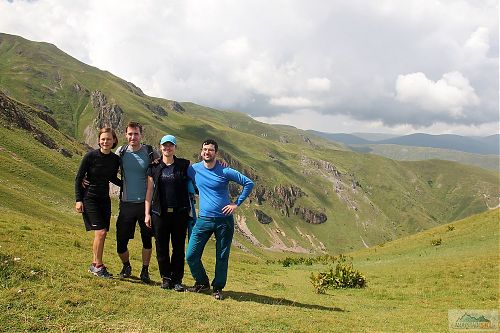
(145,276)
(217,294)
(166,284)
(198,288)
(103,272)
(178,287)
(126,271)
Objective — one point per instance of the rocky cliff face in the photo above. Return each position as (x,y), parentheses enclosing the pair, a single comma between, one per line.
(176,107)
(156,109)
(262,217)
(108,114)
(17,115)
(309,215)
(283,197)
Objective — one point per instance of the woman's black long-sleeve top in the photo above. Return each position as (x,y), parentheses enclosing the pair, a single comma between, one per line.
(100,169)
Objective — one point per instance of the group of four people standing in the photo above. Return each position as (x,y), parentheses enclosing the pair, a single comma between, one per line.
(156,192)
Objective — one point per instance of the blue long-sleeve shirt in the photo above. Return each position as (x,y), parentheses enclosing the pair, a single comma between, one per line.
(213,185)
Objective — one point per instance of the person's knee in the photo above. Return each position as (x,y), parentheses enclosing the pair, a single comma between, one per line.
(191,257)
(101,233)
(147,242)
(121,246)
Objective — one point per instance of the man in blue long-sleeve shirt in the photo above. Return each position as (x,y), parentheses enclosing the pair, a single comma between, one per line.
(215,216)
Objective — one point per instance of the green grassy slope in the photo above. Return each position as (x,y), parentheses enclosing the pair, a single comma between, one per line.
(367,199)
(412,284)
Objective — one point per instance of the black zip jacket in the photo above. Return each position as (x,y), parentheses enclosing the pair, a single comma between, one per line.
(181,186)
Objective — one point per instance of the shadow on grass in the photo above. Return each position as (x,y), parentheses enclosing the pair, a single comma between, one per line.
(251,297)
(137,280)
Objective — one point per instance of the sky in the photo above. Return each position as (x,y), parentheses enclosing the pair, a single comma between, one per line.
(385,66)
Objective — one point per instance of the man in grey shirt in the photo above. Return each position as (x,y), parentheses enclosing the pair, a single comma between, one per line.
(135,159)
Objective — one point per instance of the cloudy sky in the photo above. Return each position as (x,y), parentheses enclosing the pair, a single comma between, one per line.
(336,66)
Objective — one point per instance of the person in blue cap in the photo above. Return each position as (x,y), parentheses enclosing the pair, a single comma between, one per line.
(167,208)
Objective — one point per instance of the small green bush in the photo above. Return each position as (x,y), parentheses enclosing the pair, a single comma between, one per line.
(308,261)
(436,242)
(343,276)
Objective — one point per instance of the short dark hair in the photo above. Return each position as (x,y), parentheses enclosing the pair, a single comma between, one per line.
(134,124)
(109,130)
(210,142)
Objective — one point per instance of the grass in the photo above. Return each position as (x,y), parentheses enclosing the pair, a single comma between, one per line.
(411,285)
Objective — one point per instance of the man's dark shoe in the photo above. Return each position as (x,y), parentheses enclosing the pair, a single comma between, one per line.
(166,284)
(126,271)
(145,276)
(217,294)
(178,287)
(198,288)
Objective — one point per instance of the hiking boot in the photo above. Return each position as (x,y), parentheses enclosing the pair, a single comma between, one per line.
(145,276)
(198,287)
(167,283)
(103,273)
(217,294)
(126,271)
(178,287)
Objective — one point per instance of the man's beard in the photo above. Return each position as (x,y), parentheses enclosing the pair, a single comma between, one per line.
(208,159)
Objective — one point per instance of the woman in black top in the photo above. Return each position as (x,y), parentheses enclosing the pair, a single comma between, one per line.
(99,167)
(167,208)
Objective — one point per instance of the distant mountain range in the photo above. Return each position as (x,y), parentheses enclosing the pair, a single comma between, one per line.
(488,145)
(471,150)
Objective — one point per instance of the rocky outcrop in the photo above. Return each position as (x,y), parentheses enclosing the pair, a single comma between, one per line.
(262,217)
(80,90)
(310,216)
(176,107)
(48,119)
(283,139)
(133,88)
(258,194)
(15,116)
(156,109)
(284,197)
(109,114)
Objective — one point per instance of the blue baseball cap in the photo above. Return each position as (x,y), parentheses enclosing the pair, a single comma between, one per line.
(168,138)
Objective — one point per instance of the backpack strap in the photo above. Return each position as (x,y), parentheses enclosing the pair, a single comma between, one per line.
(122,150)
(151,154)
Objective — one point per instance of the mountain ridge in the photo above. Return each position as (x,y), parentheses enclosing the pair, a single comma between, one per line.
(300,178)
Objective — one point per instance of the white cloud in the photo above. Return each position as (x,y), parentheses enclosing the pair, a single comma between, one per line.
(267,58)
(292,102)
(309,119)
(318,84)
(450,94)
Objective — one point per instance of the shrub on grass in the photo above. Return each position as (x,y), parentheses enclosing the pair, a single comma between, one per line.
(343,276)
(436,242)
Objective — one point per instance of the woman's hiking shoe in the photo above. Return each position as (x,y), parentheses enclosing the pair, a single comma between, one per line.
(126,271)
(145,276)
(217,294)
(100,272)
(198,288)
(92,269)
